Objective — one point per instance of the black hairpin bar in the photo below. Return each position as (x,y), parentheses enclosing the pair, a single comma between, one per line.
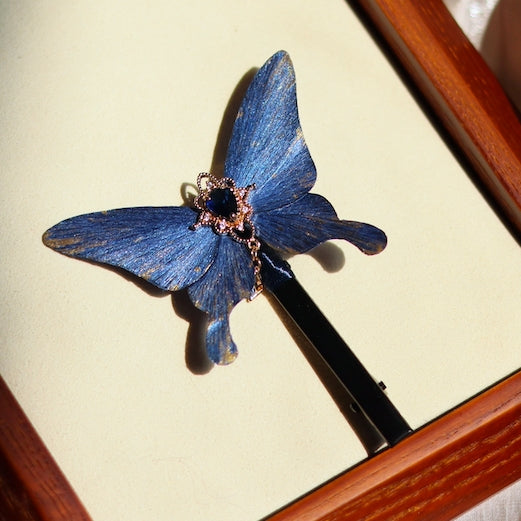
(368,397)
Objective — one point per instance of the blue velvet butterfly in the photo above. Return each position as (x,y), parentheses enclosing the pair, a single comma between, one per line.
(212,249)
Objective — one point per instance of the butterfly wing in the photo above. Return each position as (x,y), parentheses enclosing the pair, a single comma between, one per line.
(267,146)
(228,280)
(310,221)
(155,243)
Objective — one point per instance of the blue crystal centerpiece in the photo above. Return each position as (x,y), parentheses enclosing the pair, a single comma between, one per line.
(222,202)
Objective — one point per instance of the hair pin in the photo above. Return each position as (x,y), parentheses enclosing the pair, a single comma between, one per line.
(229,246)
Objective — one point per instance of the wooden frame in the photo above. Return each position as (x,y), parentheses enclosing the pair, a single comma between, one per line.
(439,472)
(457,460)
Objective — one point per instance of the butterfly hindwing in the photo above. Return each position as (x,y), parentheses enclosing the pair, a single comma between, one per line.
(310,221)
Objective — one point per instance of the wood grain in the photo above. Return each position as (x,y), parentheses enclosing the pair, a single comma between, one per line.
(32,487)
(439,472)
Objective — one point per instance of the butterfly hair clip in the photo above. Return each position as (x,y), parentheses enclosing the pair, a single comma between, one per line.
(232,242)
(213,249)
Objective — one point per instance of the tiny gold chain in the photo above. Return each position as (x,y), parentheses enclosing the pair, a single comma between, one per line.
(254,247)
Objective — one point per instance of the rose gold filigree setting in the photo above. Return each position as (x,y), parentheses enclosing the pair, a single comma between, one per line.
(238,221)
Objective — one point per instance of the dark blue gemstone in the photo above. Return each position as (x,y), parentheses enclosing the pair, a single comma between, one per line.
(222,202)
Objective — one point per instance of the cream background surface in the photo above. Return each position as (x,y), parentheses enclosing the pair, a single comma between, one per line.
(106,105)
